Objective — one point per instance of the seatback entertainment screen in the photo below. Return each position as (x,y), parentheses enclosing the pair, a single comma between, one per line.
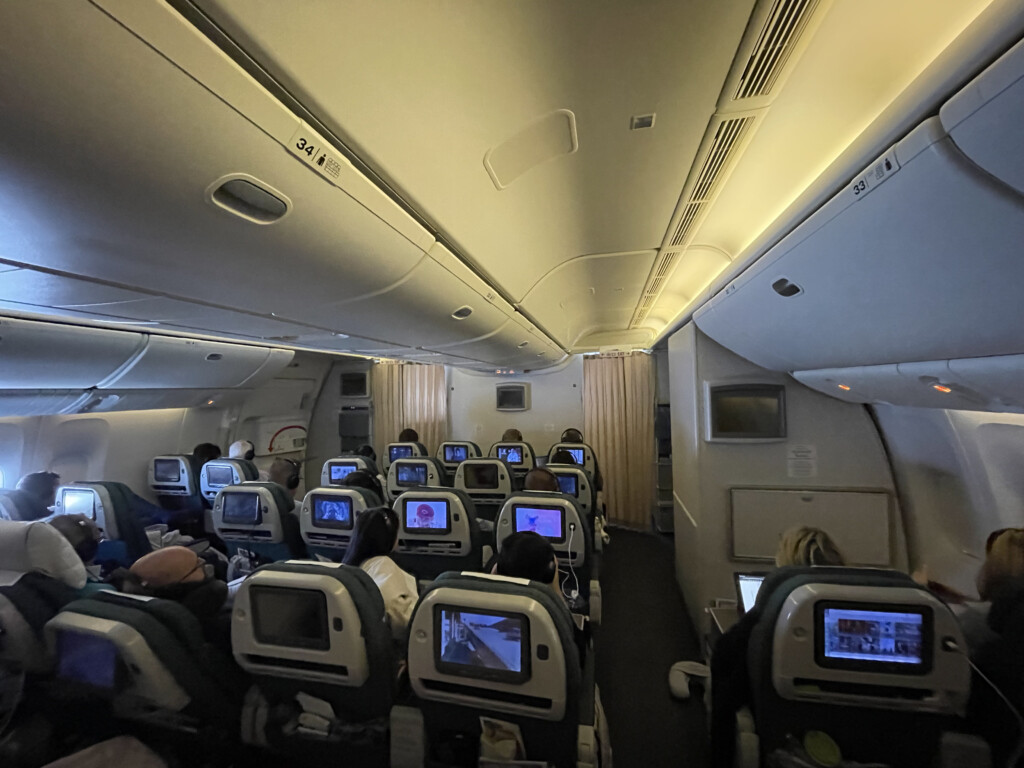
(219,476)
(568,484)
(411,474)
(455,453)
(427,516)
(242,509)
(481,477)
(879,638)
(513,454)
(166,470)
(332,511)
(399,452)
(339,471)
(549,522)
(482,644)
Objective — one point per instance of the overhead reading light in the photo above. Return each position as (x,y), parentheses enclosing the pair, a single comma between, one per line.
(209,402)
(340,335)
(785,288)
(214,357)
(941,388)
(462,313)
(639,122)
(844,387)
(522,344)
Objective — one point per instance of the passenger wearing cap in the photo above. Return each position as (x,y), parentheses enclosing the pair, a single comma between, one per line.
(243,449)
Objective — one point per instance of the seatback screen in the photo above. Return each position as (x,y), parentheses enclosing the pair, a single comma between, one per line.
(219,476)
(513,454)
(877,638)
(292,618)
(332,511)
(411,474)
(242,508)
(568,484)
(747,587)
(337,472)
(166,471)
(455,453)
(482,644)
(87,659)
(481,477)
(399,452)
(427,516)
(79,502)
(577,455)
(549,522)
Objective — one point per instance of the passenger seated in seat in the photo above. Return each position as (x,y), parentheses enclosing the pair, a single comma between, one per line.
(528,555)
(374,537)
(242,449)
(205,452)
(366,450)
(512,435)
(562,456)
(540,479)
(408,435)
(807,546)
(38,492)
(81,532)
(573,435)
(361,478)
(286,473)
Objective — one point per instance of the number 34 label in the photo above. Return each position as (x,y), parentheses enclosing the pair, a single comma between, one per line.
(307,145)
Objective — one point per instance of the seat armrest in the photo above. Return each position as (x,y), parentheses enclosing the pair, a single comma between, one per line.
(595,601)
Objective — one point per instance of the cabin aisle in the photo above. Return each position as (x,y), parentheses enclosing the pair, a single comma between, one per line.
(645,630)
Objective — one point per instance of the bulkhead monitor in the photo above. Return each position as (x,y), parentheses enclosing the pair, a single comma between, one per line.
(486,645)
(399,452)
(549,522)
(453,454)
(873,637)
(409,475)
(480,477)
(513,454)
(568,484)
(290,618)
(88,660)
(242,508)
(219,476)
(166,470)
(430,516)
(78,501)
(332,511)
(339,470)
(747,587)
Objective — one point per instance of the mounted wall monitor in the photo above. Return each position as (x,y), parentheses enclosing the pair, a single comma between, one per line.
(75,501)
(354,384)
(396,452)
(884,638)
(486,645)
(219,476)
(480,477)
(411,475)
(513,454)
(332,512)
(339,470)
(427,516)
(166,470)
(746,412)
(549,522)
(568,484)
(512,397)
(454,454)
(88,660)
(290,618)
(242,508)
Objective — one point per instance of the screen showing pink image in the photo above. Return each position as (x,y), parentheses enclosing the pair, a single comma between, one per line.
(547,521)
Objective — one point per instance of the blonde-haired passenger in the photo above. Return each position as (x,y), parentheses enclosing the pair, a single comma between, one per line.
(1004,561)
(807,546)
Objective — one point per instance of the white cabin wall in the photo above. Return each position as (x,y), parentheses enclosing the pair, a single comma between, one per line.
(850,456)
(959,478)
(556,403)
(324,437)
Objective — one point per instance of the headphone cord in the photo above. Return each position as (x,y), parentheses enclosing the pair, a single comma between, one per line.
(576,591)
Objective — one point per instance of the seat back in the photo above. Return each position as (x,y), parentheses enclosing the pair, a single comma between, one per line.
(18,505)
(337,469)
(853,651)
(419,472)
(9,508)
(576,482)
(36,547)
(454,452)
(487,481)
(220,473)
(328,516)
(257,518)
(173,475)
(395,451)
(147,657)
(319,628)
(517,454)
(438,532)
(482,645)
(582,452)
(109,505)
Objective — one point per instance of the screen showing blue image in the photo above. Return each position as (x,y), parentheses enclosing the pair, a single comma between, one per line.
(577,455)
(513,454)
(339,471)
(427,516)
(399,452)
(549,522)
(332,511)
(489,646)
(568,484)
(874,636)
(412,474)
(86,659)
(455,453)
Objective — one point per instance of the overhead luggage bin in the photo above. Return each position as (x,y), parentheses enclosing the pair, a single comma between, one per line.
(887,271)
(984,118)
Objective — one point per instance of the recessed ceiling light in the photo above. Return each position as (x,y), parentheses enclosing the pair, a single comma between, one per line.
(522,344)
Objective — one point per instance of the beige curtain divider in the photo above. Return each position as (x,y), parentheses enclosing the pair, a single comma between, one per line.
(409,395)
(618,423)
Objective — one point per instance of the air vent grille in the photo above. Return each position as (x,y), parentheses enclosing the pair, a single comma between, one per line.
(786,22)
